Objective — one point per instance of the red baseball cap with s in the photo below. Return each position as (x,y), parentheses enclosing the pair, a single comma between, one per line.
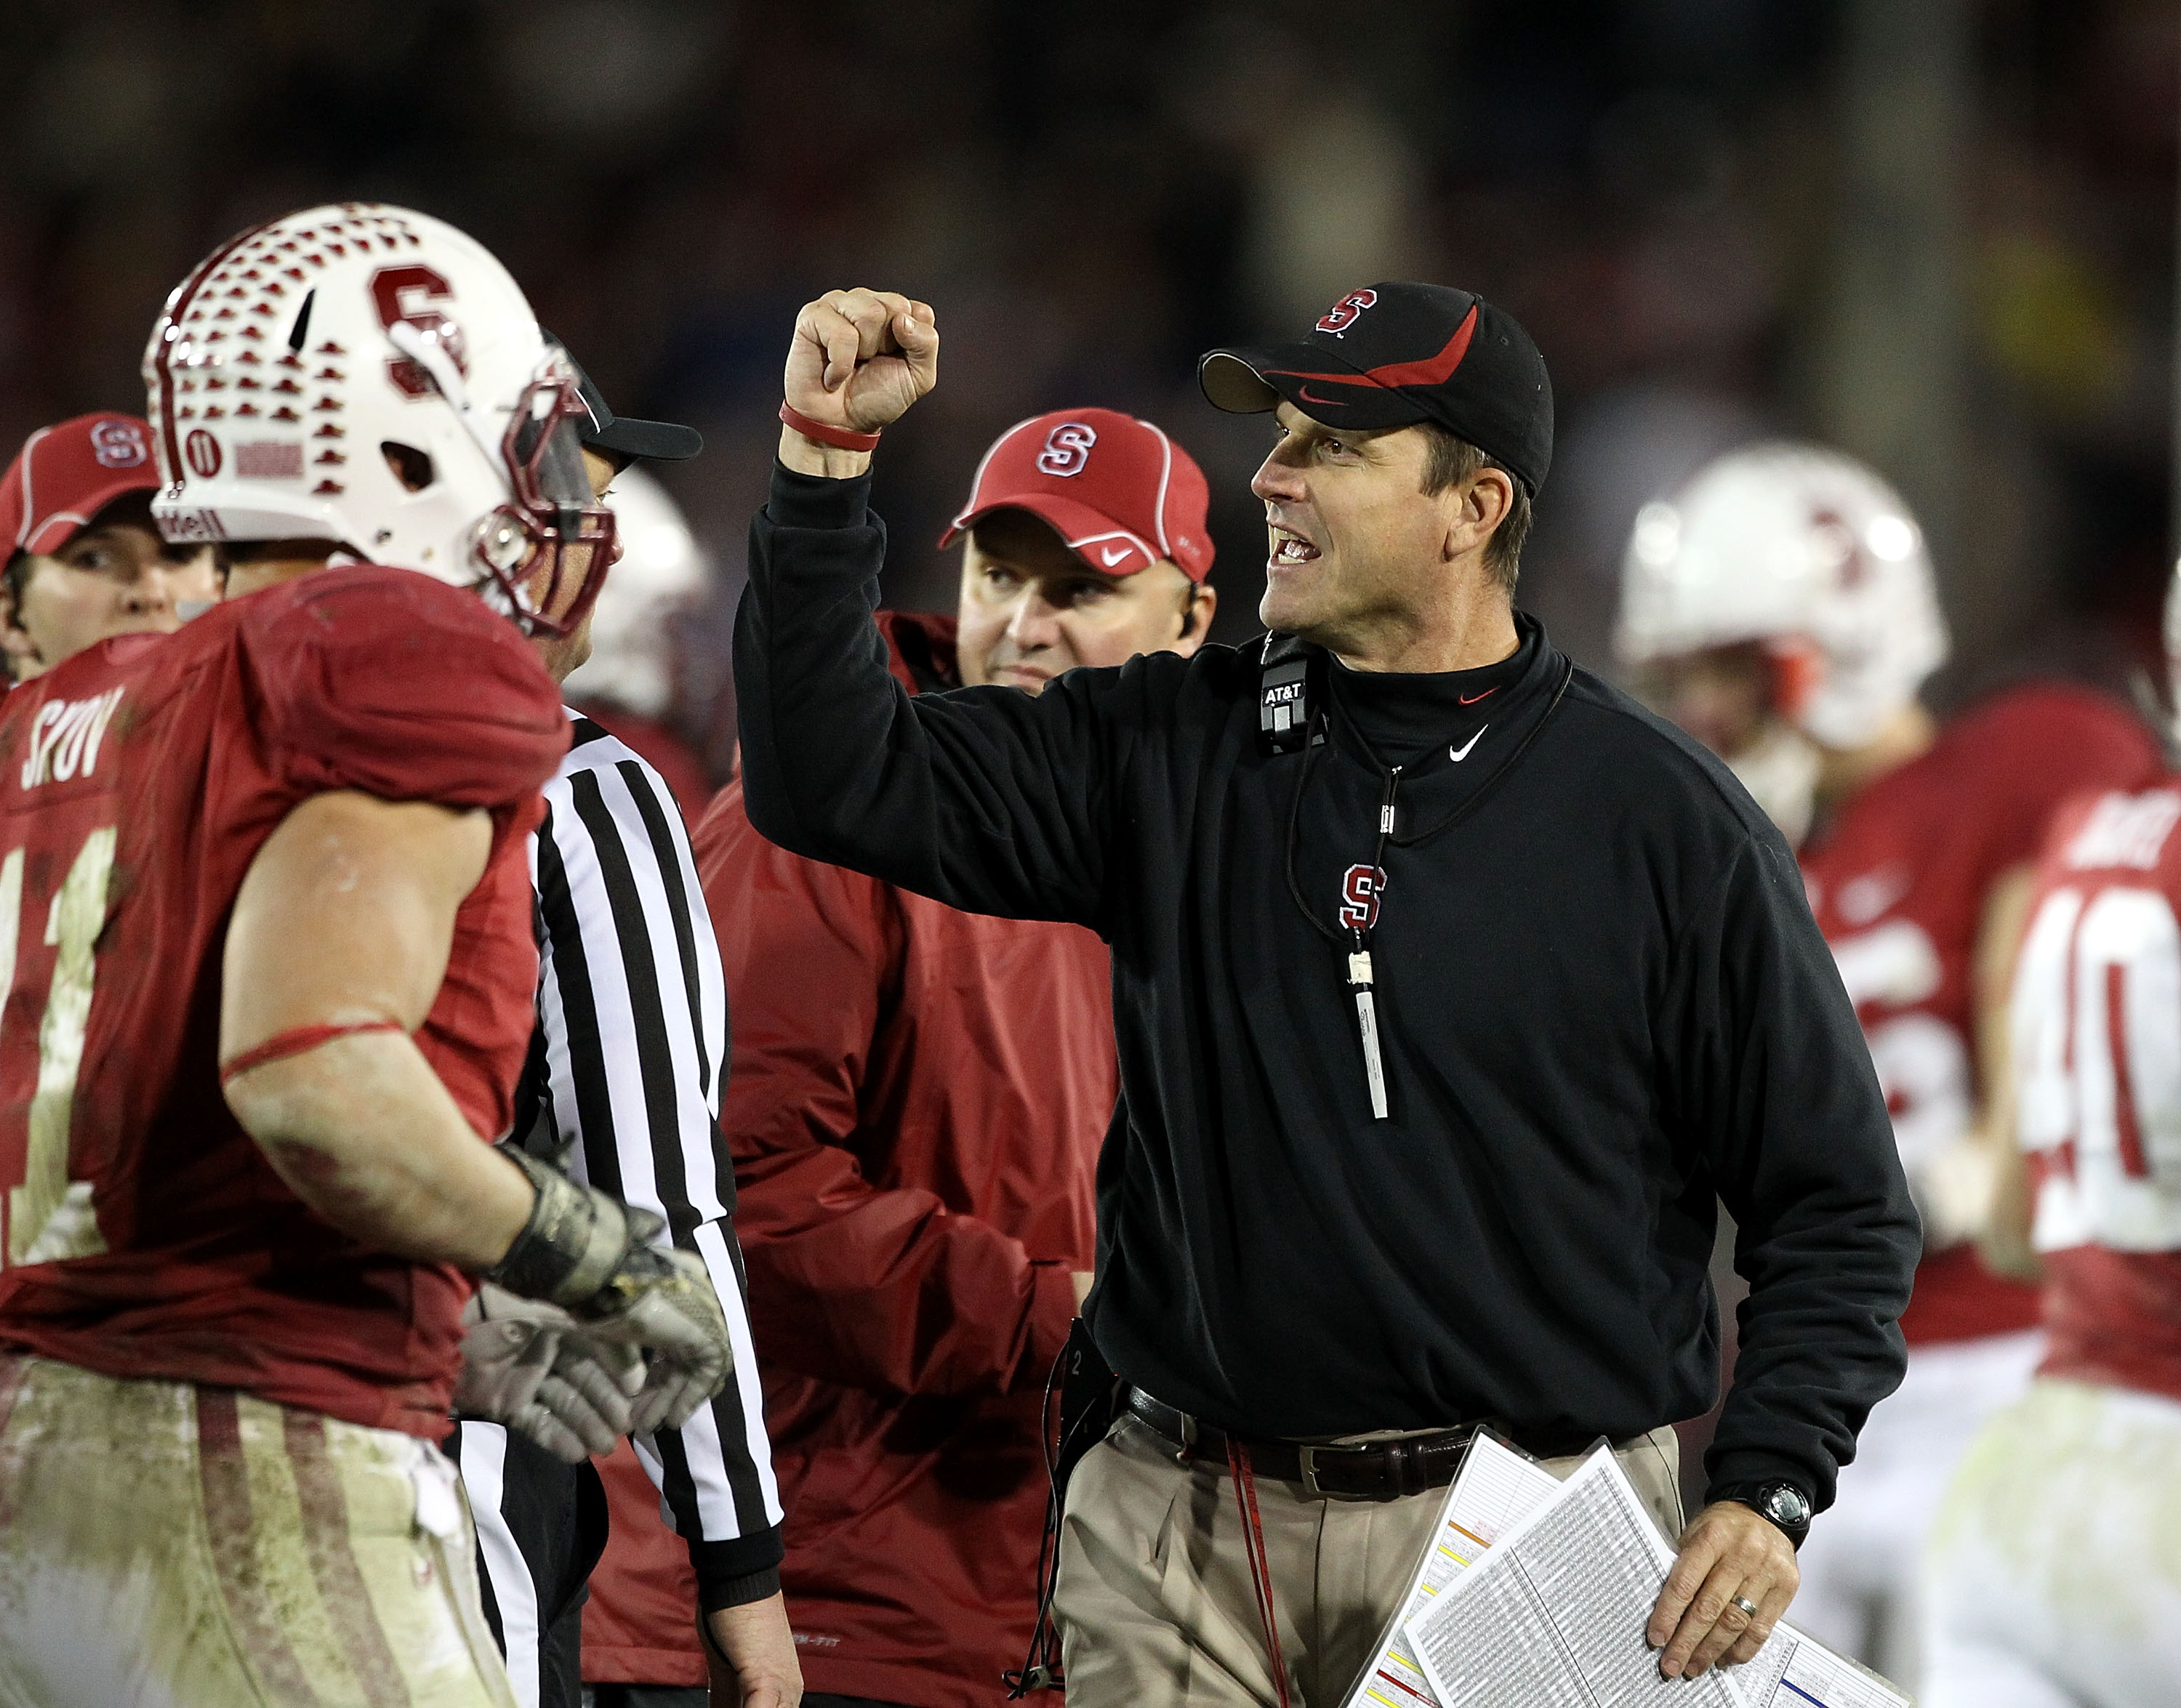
(1117,490)
(66,474)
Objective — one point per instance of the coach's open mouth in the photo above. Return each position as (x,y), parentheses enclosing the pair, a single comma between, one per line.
(1289,547)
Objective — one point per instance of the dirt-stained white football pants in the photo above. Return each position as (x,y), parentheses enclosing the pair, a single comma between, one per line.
(164,1545)
(1863,1565)
(2055,1567)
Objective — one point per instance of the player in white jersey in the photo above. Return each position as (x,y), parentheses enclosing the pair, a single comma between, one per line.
(1783,610)
(2054,1569)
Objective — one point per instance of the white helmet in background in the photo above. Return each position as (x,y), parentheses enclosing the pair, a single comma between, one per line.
(372,376)
(1807,552)
(662,569)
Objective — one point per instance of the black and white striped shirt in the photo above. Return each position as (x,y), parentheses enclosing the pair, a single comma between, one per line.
(633,1014)
(628,1062)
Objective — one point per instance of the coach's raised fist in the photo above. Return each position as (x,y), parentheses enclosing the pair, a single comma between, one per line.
(860,358)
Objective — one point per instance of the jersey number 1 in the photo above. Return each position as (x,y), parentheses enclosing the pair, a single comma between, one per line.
(47,1219)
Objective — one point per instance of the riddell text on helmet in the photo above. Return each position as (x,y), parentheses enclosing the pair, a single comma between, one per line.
(181,526)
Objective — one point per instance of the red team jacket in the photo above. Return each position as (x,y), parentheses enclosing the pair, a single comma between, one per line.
(915,1106)
(1898,886)
(144,1233)
(2098,1071)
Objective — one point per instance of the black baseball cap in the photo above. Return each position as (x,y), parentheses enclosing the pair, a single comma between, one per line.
(625,436)
(1395,353)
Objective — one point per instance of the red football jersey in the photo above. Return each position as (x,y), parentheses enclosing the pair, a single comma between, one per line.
(1899,887)
(2096,1034)
(143,1234)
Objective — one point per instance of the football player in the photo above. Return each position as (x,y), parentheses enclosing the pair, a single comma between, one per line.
(266,927)
(1781,609)
(83,561)
(2052,1575)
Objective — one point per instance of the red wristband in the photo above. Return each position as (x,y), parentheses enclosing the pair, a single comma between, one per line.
(297,1040)
(841,439)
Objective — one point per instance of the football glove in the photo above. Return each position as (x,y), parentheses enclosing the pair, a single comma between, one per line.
(593,1257)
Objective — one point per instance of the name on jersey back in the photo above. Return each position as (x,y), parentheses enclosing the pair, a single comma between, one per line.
(65,738)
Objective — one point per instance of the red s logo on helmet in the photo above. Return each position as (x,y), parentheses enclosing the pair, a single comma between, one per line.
(402,294)
(1342,315)
(1068,449)
(1360,890)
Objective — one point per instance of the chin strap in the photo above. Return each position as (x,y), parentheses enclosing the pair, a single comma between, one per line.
(1261,1569)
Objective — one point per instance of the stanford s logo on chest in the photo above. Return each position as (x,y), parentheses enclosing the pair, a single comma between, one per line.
(1360,890)
(1067,449)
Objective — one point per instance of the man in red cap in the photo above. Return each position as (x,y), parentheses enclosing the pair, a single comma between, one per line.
(916,1102)
(1086,546)
(84,562)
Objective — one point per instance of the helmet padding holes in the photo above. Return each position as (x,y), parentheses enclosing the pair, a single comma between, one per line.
(301,330)
(412,466)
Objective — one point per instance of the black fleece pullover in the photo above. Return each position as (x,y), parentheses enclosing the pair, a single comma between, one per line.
(1602,1000)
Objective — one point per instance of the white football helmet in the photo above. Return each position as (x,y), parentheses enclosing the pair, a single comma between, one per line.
(372,376)
(1803,549)
(662,569)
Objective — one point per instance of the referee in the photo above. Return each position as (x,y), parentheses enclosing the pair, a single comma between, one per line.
(1452,991)
(625,1077)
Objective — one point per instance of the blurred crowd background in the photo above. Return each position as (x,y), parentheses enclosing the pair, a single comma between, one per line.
(1941,233)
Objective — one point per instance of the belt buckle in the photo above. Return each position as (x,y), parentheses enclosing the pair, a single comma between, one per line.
(1306,1457)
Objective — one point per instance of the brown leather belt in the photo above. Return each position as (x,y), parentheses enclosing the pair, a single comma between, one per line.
(1372,1471)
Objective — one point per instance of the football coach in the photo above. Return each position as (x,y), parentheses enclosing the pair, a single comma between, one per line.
(1452,989)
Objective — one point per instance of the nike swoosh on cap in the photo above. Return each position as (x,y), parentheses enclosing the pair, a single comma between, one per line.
(1110,558)
(1458,754)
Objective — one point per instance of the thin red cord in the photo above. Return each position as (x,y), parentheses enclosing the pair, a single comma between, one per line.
(1260,1569)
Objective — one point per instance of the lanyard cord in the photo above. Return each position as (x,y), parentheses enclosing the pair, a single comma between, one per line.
(1312,740)
(1378,859)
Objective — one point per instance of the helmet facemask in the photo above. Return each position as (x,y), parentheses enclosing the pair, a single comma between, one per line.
(552,526)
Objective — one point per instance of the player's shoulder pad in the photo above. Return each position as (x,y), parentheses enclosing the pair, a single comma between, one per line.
(2045,738)
(388,681)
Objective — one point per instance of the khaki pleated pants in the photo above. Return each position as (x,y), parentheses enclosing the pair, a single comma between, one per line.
(163,1546)
(1155,1606)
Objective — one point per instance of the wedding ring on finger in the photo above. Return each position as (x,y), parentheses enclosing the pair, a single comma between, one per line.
(1746,1606)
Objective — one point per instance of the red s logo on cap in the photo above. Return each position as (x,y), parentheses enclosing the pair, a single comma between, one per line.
(1342,315)
(1067,449)
(119,444)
